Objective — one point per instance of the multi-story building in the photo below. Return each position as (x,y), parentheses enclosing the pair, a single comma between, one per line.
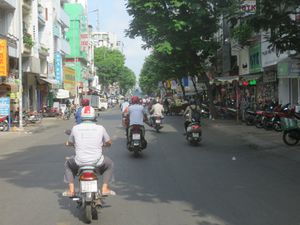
(9,34)
(108,40)
(77,35)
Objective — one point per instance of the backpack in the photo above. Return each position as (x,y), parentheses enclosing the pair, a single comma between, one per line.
(196,115)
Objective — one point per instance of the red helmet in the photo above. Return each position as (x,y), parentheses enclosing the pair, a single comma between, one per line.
(135,100)
(85,102)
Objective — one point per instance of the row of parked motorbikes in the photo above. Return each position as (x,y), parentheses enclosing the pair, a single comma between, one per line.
(281,118)
(28,118)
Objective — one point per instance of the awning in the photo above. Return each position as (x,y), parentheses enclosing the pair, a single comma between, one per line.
(249,77)
(62,94)
(50,81)
(228,79)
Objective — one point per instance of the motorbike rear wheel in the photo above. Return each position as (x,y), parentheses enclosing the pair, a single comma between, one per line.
(288,139)
(88,213)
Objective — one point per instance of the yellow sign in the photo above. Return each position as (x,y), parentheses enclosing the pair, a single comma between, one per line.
(69,80)
(3,58)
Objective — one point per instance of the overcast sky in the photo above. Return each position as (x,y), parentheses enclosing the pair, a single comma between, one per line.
(114,18)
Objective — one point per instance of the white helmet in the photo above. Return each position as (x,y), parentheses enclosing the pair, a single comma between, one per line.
(88,113)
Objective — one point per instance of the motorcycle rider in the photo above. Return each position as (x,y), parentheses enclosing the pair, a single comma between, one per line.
(157,110)
(84,102)
(88,138)
(124,110)
(137,115)
(192,112)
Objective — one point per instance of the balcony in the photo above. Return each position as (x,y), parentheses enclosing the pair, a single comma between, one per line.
(8,4)
(63,18)
(26,6)
(41,16)
(63,46)
(56,32)
(43,50)
(28,43)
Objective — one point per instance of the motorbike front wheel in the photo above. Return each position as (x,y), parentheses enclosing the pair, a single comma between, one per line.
(288,139)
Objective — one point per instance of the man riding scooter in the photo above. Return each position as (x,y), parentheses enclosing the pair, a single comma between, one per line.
(88,138)
(156,113)
(136,116)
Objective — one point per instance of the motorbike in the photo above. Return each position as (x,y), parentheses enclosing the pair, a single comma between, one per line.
(156,122)
(136,142)
(291,130)
(89,199)
(4,126)
(284,112)
(33,117)
(194,132)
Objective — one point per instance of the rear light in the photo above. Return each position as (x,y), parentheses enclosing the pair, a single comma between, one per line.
(87,176)
(196,127)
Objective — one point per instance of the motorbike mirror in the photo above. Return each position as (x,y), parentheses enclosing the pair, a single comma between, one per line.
(68,132)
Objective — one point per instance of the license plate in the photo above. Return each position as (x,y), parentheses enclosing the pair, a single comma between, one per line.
(136,136)
(89,186)
(195,135)
(157,121)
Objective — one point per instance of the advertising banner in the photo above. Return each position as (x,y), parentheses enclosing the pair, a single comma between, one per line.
(69,80)
(3,58)
(248,7)
(58,67)
(5,106)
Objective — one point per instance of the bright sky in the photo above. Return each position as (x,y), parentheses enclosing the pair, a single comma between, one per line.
(113,17)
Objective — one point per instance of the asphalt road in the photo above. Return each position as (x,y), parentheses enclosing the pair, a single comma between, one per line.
(223,181)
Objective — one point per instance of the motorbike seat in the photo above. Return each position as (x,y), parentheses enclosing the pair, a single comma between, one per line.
(251,112)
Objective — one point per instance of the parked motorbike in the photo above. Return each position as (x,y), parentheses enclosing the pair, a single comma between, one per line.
(136,142)
(4,126)
(156,122)
(33,117)
(194,132)
(291,130)
(89,199)
(284,112)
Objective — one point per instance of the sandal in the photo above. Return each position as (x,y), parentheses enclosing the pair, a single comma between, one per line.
(110,192)
(68,194)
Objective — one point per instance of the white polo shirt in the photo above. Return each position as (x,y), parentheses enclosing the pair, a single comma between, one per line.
(88,139)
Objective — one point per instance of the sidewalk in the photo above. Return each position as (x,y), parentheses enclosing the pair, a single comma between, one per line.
(46,123)
(258,139)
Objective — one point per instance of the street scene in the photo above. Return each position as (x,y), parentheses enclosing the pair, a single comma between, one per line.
(235,176)
(131,112)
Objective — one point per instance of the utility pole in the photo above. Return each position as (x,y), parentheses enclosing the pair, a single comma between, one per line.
(20,66)
(97,20)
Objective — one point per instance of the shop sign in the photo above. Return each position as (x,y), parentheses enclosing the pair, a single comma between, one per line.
(58,66)
(3,58)
(69,79)
(5,106)
(255,58)
(248,7)
(269,57)
(288,69)
(269,76)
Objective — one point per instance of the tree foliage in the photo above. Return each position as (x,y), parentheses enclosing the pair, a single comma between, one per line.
(111,68)
(277,18)
(127,80)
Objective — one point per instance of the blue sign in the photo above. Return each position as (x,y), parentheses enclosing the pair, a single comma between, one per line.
(58,67)
(5,106)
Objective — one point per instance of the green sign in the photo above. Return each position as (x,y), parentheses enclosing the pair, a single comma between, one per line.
(255,58)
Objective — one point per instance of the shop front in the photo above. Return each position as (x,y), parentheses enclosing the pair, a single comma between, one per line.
(289,82)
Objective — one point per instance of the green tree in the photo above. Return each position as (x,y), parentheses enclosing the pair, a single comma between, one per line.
(109,64)
(127,80)
(182,31)
(277,18)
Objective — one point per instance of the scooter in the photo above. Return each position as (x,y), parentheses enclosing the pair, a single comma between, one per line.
(135,140)
(89,199)
(4,126)
(156,122)
(194,132)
